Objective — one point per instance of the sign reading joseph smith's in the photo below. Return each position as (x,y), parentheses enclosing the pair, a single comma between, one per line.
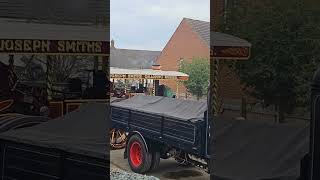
(54,47)
(151,77)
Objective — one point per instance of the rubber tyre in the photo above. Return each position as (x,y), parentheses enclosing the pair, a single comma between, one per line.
(155,160)
(145,157)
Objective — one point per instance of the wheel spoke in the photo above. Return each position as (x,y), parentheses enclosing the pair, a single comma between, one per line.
(117,139)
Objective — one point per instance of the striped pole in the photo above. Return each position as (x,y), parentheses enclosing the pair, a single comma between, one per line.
(11,76)
(154,88)
(105,69)
(214,86)
(213,91)
(49,78)
(217,14)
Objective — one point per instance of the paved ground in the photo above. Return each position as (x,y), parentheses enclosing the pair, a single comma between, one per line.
(168,169)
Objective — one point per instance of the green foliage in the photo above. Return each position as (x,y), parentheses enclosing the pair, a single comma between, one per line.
(284,49)
(198,71)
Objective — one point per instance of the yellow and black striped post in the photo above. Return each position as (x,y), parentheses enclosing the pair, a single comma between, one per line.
(49,78)
(214,71)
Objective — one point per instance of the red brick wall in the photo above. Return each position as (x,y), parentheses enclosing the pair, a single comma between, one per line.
(186,44)
(229,83)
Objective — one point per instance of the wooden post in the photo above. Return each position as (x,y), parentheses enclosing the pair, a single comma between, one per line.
(95,63)
(177,90)
(125,86)
(244,107)
(156,87)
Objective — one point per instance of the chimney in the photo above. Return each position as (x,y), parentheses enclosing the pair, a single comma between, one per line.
(156,67)
(112,43)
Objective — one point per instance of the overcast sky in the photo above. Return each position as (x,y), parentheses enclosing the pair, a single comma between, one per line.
(149,24)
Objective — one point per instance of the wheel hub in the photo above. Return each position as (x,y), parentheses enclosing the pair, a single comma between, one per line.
(135,154)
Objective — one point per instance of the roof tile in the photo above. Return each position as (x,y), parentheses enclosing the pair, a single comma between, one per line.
(132,59)
(202,28)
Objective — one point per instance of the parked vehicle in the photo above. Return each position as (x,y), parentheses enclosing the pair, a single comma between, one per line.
(161,128)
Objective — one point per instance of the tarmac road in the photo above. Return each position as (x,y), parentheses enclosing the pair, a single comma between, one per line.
(168,169)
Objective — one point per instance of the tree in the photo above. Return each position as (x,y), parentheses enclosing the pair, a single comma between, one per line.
(198,71)
(32,71)
(282,34)
(65,67)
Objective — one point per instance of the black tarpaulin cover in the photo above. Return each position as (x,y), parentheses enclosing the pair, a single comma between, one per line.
(164,106)
(250,150)
(83,131)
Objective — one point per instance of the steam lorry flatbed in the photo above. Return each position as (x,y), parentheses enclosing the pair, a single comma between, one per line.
(159,127)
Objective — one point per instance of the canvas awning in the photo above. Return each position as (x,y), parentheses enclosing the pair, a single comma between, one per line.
(22,37)
(225,46)
(118,73)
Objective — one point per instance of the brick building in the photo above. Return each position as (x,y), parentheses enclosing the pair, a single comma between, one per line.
(191,40)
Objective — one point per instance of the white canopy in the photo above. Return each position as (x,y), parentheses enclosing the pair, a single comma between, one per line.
(118,73)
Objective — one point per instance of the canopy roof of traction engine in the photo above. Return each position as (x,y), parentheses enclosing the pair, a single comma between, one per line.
(225,46)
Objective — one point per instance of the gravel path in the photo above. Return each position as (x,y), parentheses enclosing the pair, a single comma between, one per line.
(117,174)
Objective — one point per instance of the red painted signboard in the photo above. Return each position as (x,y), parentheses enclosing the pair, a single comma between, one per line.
(227,52)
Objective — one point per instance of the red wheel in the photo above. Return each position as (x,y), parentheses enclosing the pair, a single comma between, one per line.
(135,154)
(138,157)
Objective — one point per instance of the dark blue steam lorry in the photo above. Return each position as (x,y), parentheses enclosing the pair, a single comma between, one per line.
(159,127)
